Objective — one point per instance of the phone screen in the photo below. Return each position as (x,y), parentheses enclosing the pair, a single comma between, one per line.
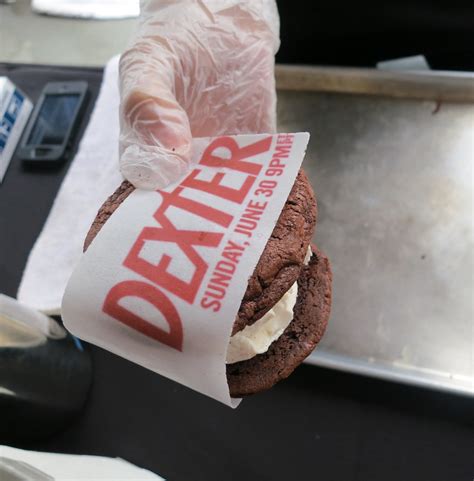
(54,119)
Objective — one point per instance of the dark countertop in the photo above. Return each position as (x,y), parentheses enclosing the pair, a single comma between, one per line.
(319,424)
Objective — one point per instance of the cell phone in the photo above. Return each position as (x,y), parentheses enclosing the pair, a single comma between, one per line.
(53,123)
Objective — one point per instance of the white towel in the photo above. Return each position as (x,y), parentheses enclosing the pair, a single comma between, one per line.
(92,177)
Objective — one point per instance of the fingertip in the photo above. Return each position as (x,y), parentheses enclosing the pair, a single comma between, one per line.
(155,121)
(152,168)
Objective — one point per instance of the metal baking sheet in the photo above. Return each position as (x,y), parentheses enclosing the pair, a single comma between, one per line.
(392,169)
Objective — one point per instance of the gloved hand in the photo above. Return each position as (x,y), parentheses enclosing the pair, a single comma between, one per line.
(196,68)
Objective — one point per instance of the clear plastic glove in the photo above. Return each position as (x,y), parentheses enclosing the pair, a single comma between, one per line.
(196,68)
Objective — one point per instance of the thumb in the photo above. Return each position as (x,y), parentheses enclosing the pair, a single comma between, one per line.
(155,137)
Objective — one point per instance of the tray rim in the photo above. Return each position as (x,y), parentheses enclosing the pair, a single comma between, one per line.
(382,370)
(441,86)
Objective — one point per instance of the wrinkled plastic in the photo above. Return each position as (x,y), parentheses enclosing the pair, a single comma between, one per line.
(196,68)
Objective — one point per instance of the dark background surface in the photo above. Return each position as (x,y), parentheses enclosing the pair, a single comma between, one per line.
(319,424)
(362,33)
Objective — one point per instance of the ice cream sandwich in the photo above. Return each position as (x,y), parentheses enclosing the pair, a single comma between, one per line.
(287,303)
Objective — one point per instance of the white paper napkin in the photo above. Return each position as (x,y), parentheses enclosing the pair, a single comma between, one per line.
(92,176)
(99,9)
(163,280)
(68,467)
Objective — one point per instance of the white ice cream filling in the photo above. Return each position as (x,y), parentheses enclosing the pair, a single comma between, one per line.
(257,338)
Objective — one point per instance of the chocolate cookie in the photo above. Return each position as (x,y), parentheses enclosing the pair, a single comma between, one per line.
(311,314)
(281,261)
(280,265)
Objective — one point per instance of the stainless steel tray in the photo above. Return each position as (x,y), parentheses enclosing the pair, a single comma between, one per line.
(390,158)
